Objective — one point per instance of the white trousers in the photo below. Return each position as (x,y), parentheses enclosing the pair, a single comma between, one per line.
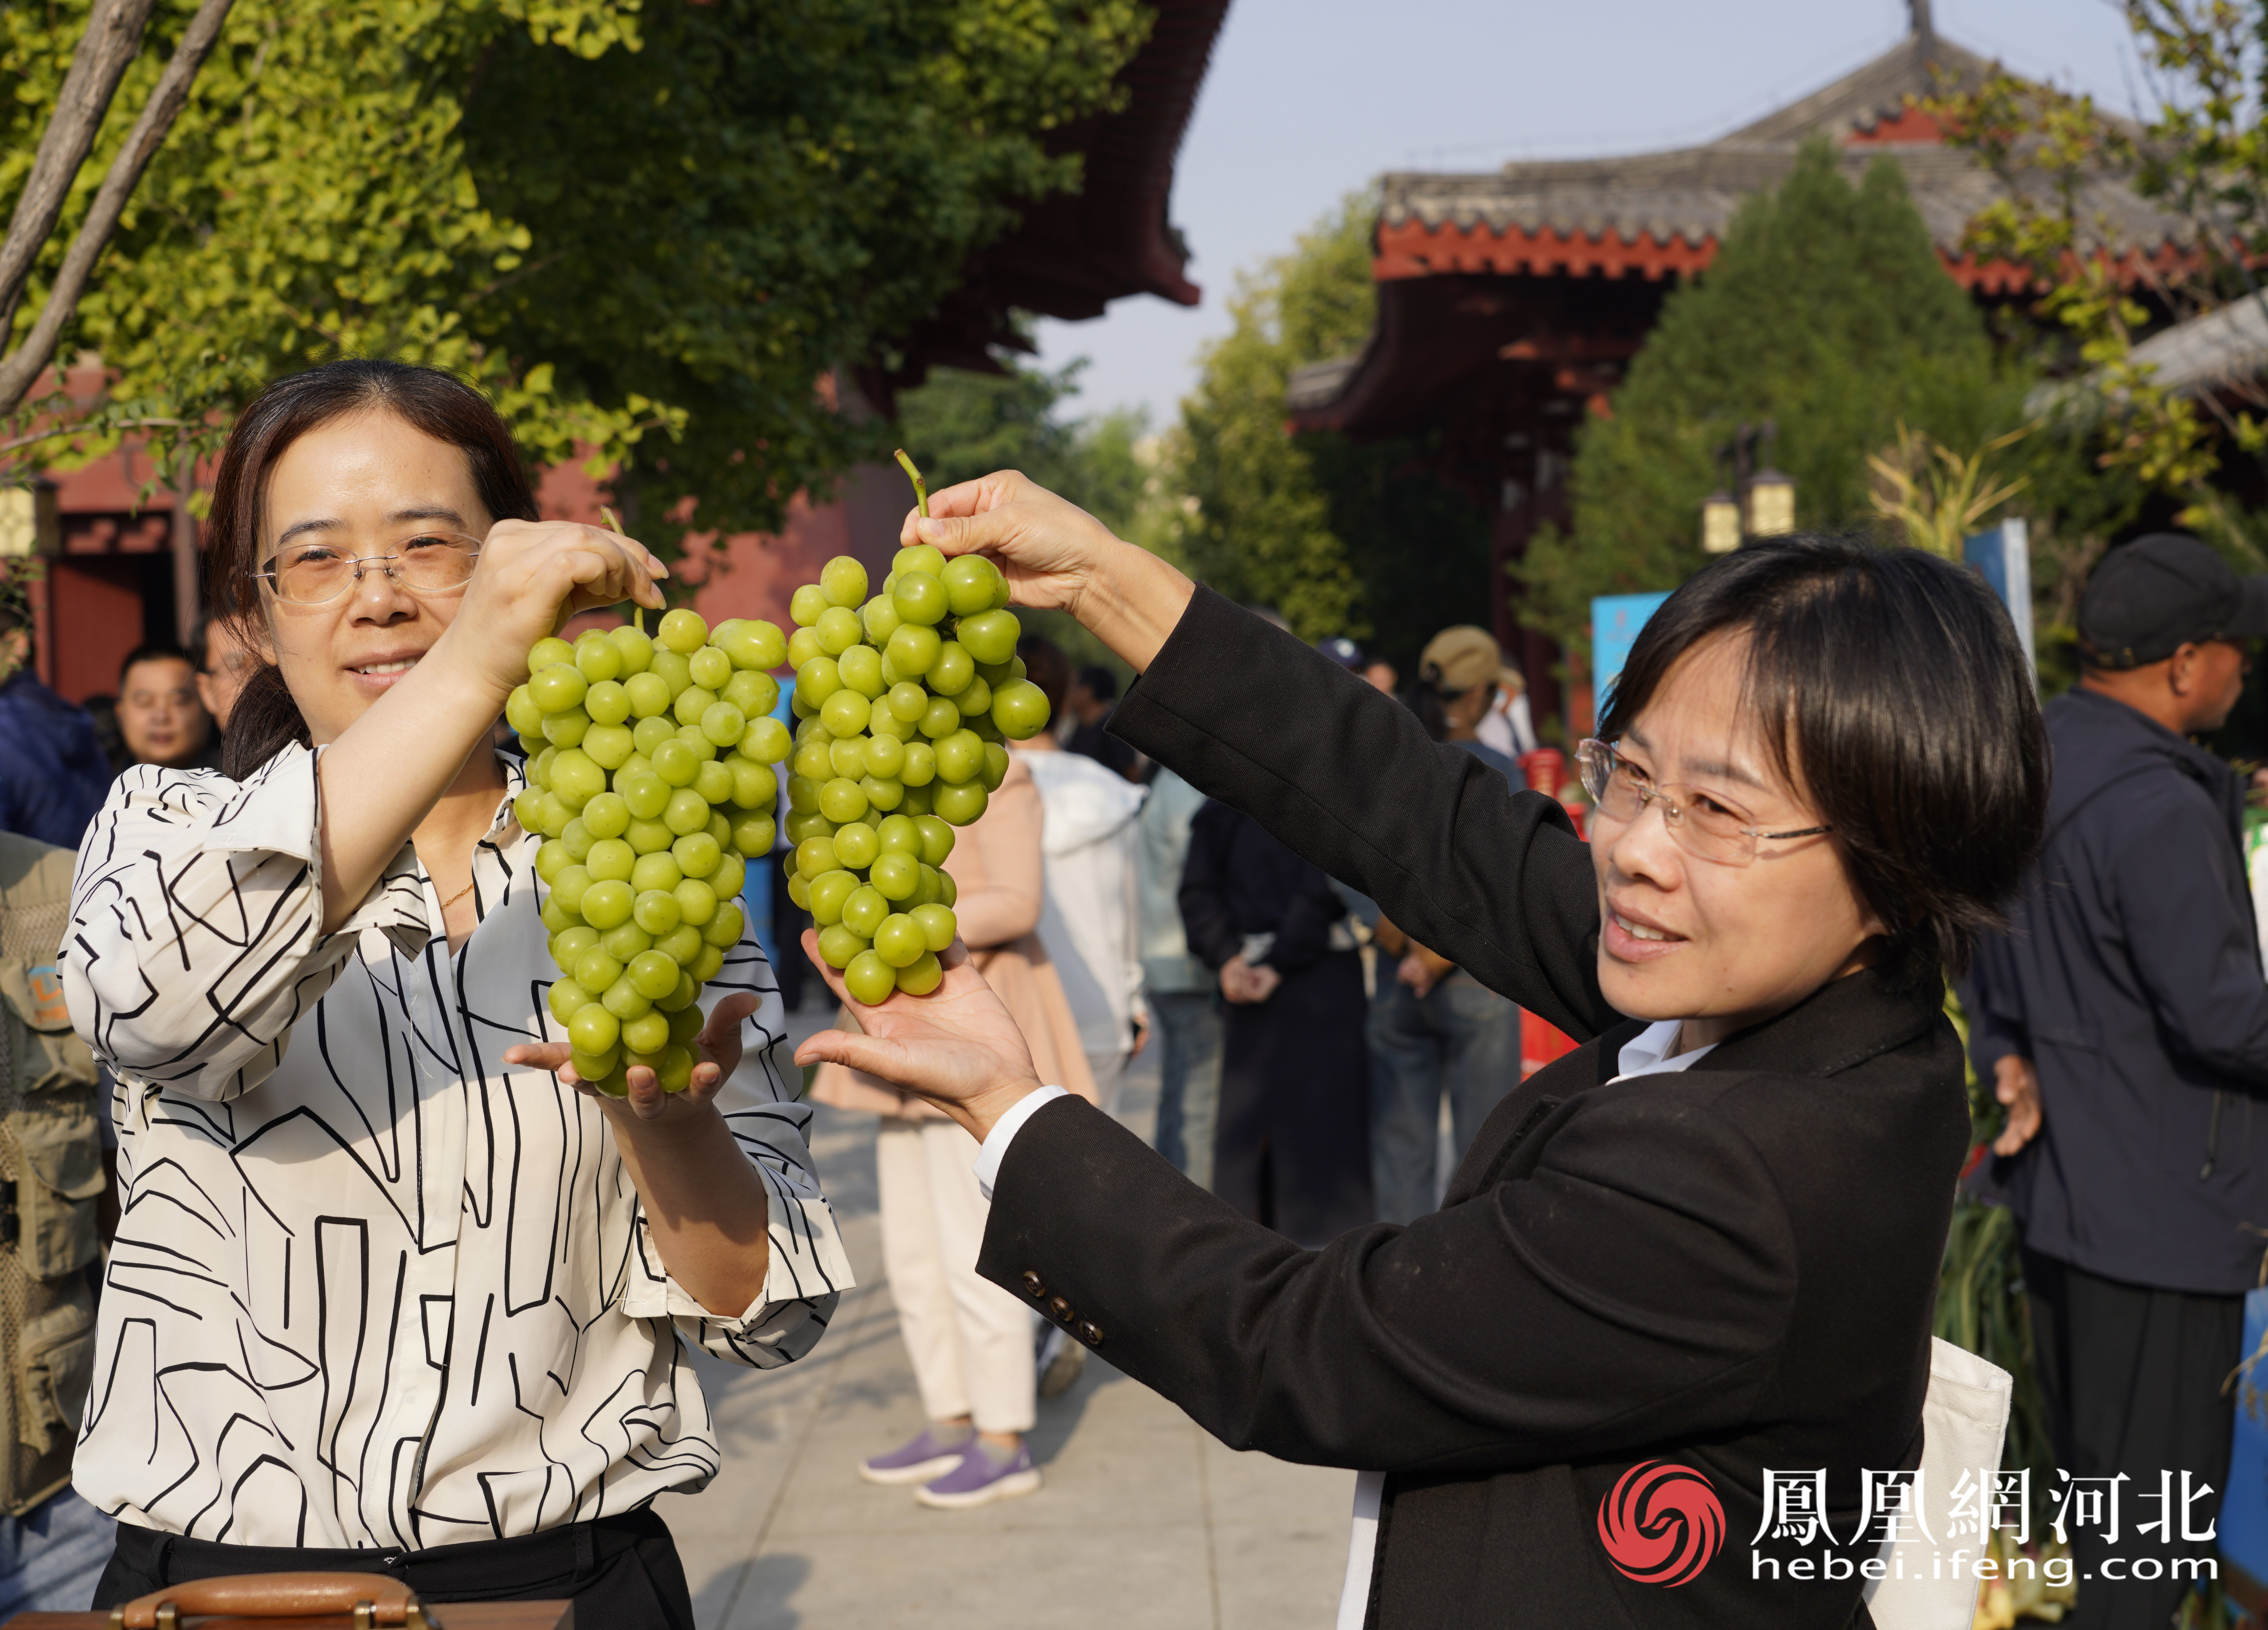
(969,1340)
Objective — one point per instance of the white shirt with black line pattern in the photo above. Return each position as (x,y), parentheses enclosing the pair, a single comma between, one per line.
(373,1287)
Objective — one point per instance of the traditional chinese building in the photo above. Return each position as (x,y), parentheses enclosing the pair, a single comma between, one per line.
(1511,301)
(125,571)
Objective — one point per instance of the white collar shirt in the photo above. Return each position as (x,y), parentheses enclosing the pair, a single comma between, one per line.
(373,1287)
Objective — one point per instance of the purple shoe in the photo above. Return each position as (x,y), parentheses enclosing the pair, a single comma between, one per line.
(927,1456)
(979,1480)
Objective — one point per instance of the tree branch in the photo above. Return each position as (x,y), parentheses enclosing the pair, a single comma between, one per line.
(61,431)
(18,371)
(113,34)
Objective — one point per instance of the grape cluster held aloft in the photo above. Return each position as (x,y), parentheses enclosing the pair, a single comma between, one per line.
(904,698)
(651,778)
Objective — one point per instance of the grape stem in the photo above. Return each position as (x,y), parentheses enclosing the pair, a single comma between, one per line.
(921,487)
(614,524)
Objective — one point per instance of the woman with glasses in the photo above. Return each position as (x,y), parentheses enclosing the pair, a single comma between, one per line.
(392,1292)
(1691,1263)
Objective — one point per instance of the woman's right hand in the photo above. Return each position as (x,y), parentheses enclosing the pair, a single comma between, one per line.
(533,576)
(1059,558)
(957,1047)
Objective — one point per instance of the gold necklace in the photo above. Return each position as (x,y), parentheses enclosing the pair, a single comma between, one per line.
(459,894)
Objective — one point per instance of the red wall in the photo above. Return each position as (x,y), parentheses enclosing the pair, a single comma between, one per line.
(112,589)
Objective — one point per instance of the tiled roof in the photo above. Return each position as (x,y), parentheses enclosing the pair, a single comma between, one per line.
(1661,214)
(2223,347)
(1689,195)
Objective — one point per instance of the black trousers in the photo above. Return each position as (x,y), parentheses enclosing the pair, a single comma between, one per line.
(623,1572)
(1292,1144)
(2133,1382)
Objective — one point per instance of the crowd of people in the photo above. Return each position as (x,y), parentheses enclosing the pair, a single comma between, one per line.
(58,762)
(1330,978)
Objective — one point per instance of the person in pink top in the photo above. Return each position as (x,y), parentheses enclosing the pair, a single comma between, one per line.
(970,1342)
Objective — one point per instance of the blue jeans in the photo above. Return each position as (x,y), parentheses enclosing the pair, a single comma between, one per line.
(51,1557)
(1462,1038)
(1189,1036)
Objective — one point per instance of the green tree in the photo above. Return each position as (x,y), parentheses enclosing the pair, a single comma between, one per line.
(49,171)
(1344,537)
(651,231)
(1828,312)
(960,424)
(1262,531)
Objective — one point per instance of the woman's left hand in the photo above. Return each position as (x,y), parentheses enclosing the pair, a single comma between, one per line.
(956,1047)
(716,1054)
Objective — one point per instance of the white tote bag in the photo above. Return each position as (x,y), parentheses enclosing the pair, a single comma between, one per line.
(1964,1420)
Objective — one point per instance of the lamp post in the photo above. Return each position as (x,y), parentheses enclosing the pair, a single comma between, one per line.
(1720,523)
(30,523)
(1768,504)
(1760,503)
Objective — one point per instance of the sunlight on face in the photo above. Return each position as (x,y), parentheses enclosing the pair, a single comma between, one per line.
(355,484)
(1719,946)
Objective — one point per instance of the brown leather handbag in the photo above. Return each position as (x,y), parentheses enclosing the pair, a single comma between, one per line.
(302,1602)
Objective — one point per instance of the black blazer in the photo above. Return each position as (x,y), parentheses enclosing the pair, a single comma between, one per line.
(1731,1269)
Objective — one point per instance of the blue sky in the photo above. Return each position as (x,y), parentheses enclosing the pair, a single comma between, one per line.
(1307,100)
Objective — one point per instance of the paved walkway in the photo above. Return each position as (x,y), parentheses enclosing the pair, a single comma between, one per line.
(1145,1521)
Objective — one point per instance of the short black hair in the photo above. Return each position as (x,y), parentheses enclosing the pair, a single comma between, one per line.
(1101,682)
(159,652)
(1046,667)
(1893,681)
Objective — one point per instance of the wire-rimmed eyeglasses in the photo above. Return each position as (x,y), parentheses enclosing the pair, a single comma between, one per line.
(315,573)
(1703,827)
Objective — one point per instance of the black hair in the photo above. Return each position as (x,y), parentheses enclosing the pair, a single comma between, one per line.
(103,711)
(1101,682)
(1046,667)
(1891,690)
(157,653)
(265,719)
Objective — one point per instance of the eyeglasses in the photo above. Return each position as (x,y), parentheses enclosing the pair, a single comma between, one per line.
(1703,827)
(424,562)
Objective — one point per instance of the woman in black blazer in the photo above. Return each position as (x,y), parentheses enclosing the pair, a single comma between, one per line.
(1821,771)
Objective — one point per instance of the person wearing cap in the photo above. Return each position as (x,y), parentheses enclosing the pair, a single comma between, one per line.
(1433,1030)
(2124,1020)
(1509,725)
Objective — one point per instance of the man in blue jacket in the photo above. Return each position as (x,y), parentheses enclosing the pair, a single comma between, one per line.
(53,773)
(2124,1020)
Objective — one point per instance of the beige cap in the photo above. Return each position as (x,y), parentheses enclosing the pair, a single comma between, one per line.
(1457,658)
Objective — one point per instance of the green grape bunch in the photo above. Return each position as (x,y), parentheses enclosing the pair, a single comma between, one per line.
(651,777)
(904,698)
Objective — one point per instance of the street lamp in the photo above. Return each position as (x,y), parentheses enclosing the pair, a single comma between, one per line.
(1765,507)
(1768,504)
(30,523)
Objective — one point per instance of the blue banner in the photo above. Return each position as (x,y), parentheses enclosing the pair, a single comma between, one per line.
(1616,620)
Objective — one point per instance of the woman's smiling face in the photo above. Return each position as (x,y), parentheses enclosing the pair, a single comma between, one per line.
(358,485)
(1720,946)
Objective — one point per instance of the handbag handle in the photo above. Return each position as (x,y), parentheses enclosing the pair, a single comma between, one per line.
(374,1599)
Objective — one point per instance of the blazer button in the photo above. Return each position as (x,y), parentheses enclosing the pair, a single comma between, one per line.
(1033,1286)
(1090,1335)
(1061,1308)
